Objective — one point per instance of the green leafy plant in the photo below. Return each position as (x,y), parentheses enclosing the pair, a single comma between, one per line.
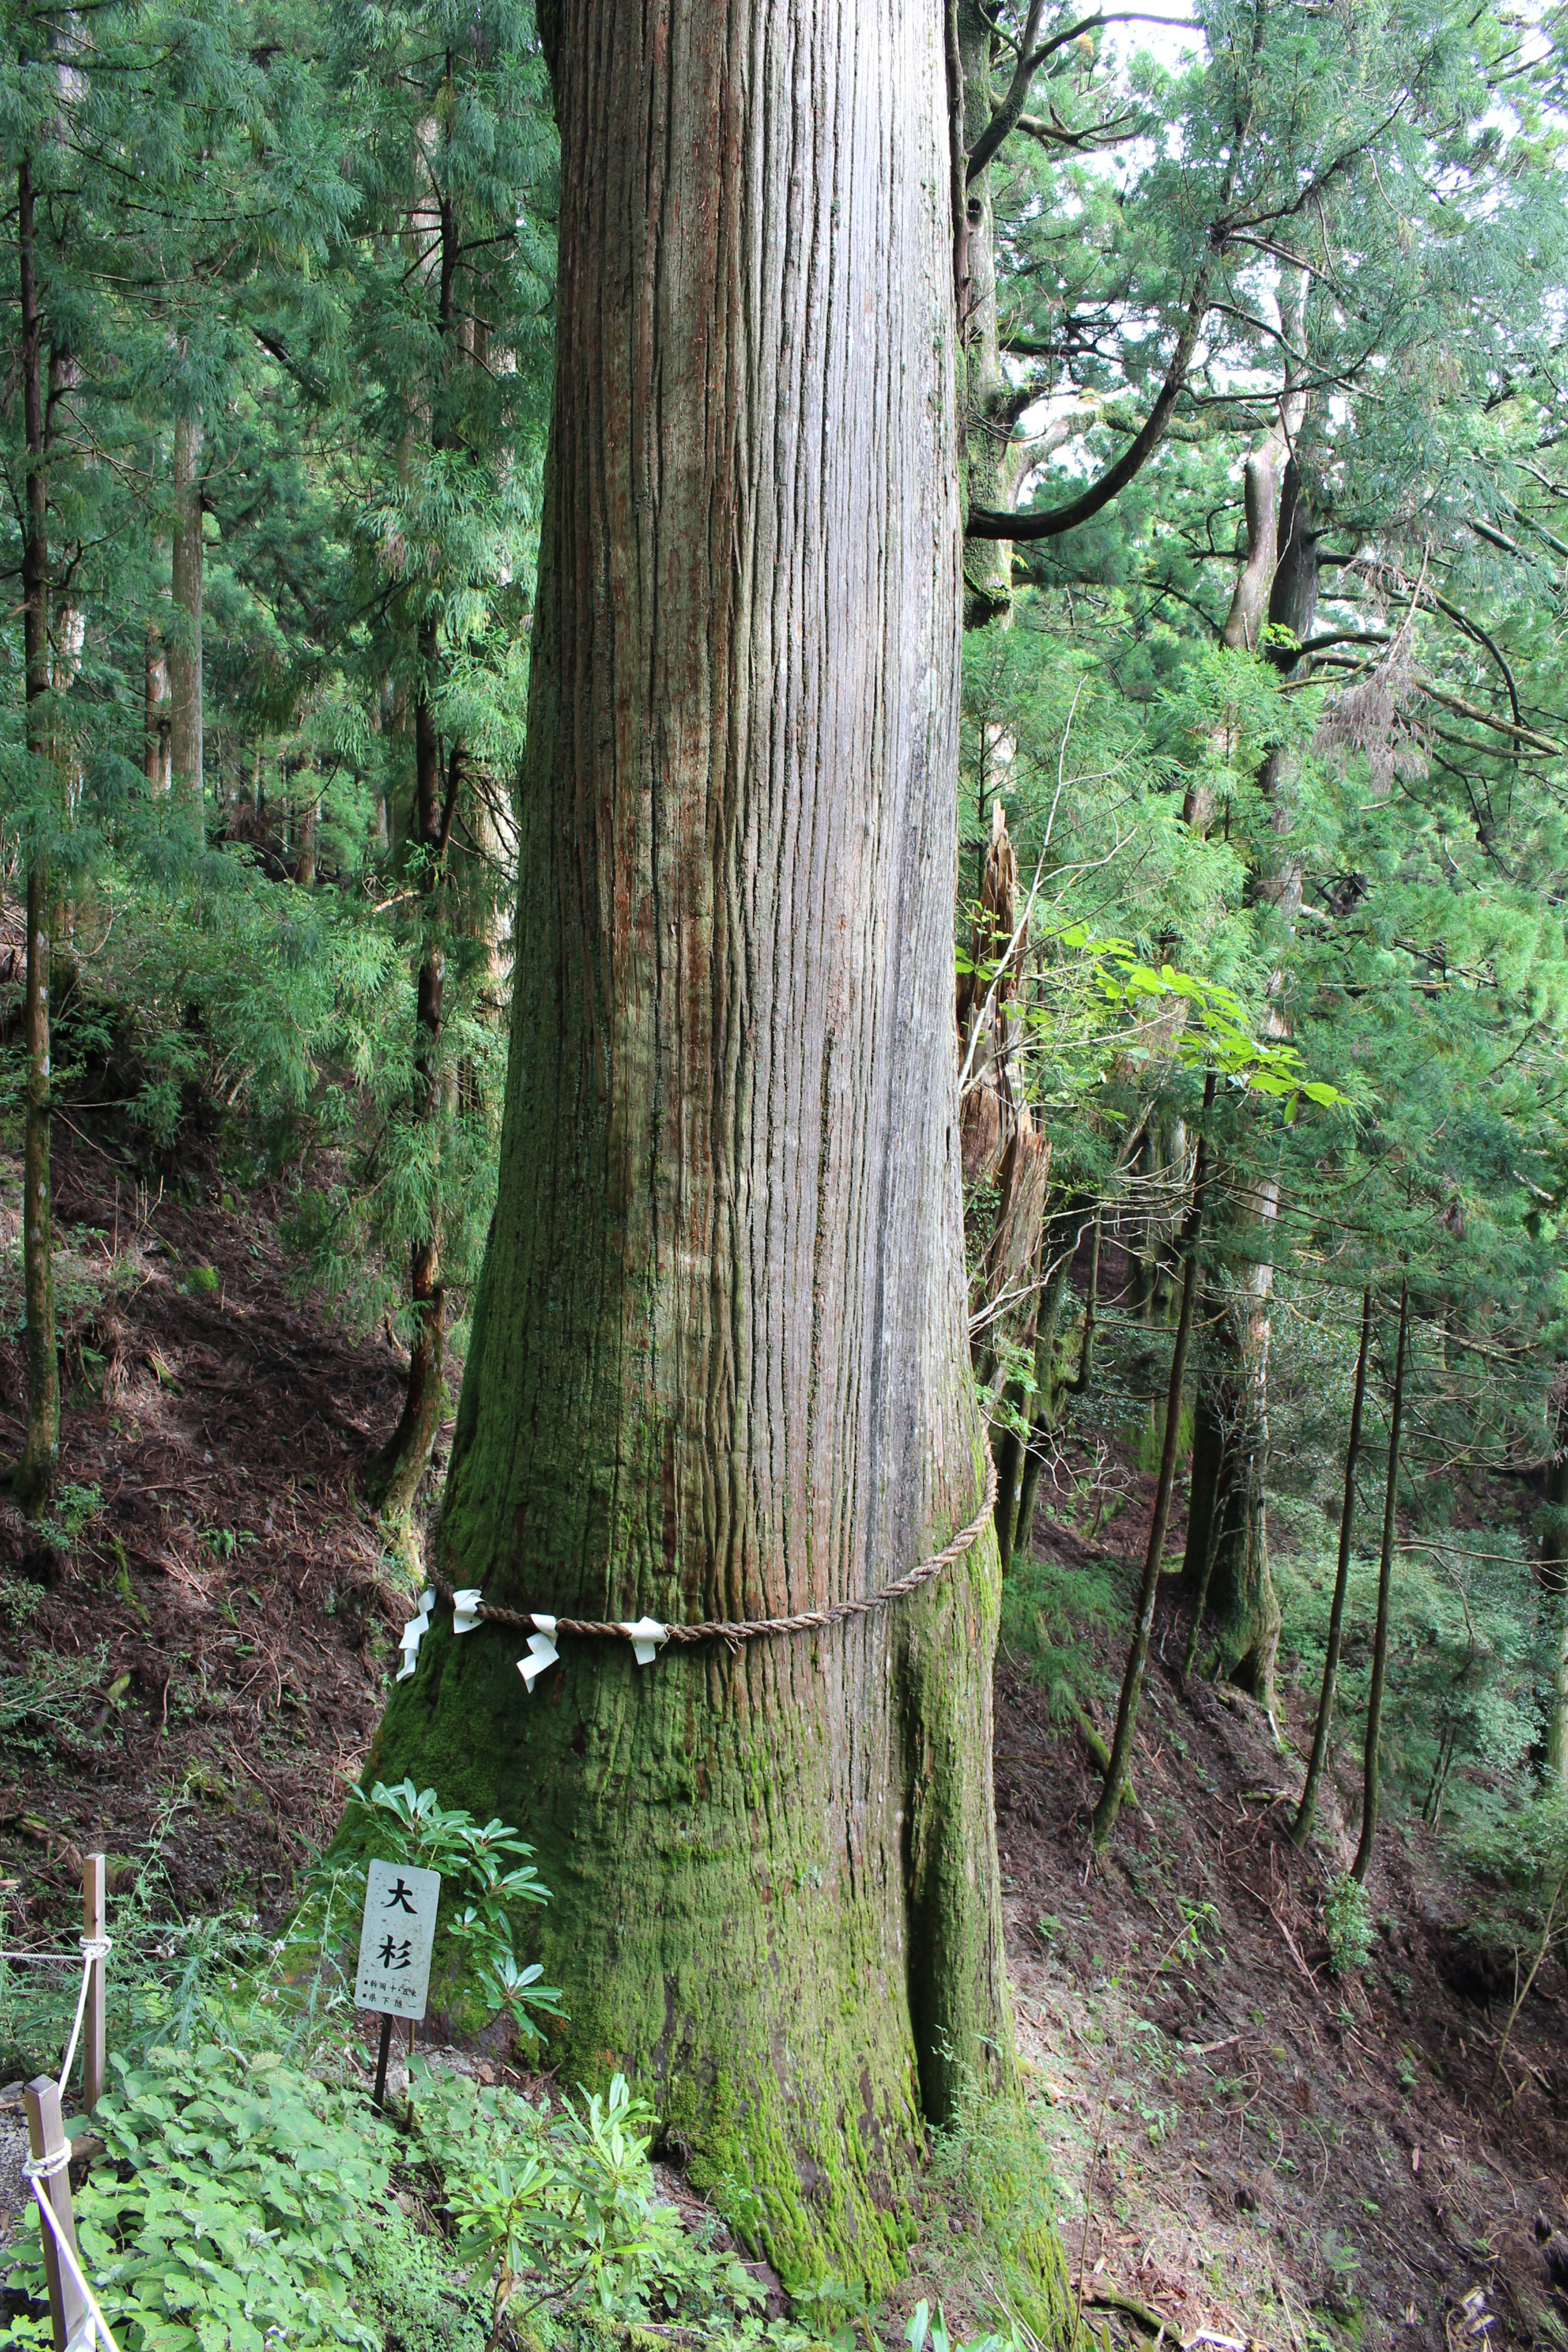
(1217,1033)
(486,1870)
(225,1542)
(555,2208)
(1348,1925)
(73,1512)
(46,1698)
(923,2329)
(234,2208)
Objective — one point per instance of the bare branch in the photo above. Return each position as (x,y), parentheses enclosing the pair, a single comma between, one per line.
(1017,98)
(992,523)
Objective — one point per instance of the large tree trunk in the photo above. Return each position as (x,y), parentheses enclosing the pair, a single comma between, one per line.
(34,1475)
(719,1362)
(185,636)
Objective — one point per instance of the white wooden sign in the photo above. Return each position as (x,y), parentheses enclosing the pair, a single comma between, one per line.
(395,1941)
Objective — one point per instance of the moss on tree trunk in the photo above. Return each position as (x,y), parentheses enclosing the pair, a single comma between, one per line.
(718,1365)
(773,1891)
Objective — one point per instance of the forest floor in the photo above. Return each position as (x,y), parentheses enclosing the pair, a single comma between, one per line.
(1245,2144)
(1241,2144)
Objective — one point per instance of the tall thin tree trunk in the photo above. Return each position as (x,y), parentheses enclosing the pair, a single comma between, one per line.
(184,651)
(397,1471)
(1109,1801)
(34,1475)
(156,708)
(1552,1574)
(1301,1828)
(1051,1386)
(1226,1562)
(1385,1587)
(718,1364)
(395,1474)
(1233,1513)
(989,400)
(305,862)
(68,635)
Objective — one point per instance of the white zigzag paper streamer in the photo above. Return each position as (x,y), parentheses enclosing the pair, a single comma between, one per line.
(542,1652)
(413,1634)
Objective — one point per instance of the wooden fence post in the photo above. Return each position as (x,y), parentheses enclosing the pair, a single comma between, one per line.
(94,2057)
(47,2139)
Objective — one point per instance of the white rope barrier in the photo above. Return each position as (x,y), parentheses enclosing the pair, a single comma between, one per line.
(94,2325)
(93,1947)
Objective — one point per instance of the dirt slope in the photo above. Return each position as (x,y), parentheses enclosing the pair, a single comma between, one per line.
(1243,2146)
(1266,2152)
(217,1633)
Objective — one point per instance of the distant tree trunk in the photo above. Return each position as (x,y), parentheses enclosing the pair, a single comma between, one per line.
(1385,1587)
(155,710)
(1293,598)
(33,1477)
(397,1471)
(1110,1801)
(719,1363)
(1057,1246)
(1226,1564)
(990,403)
(305,860)
(1553,1577)
(185,654)
(1302,1827)
(1228,1537)
(1243,629)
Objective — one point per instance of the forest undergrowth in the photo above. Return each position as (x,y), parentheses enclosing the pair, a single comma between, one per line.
(1235,2138)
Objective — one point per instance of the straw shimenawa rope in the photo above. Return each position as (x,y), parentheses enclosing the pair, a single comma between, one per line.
(749,1629)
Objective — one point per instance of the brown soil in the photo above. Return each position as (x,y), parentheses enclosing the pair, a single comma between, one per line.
(1243,2144)
(1265,2151)
(231,1579)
